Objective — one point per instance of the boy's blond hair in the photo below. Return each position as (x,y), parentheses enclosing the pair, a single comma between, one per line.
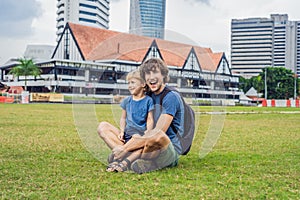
(135,74)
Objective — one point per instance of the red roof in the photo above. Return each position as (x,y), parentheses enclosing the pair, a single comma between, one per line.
(102,44)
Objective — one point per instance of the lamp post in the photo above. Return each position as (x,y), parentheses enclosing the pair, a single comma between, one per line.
(295,82)
(266,89)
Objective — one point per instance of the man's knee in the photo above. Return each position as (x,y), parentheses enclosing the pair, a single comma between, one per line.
(159,140)
(155,145)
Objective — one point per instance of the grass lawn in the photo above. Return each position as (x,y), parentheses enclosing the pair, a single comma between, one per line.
(42,156)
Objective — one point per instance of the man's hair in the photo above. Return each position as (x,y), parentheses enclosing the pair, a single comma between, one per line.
(135,74)
(153,64)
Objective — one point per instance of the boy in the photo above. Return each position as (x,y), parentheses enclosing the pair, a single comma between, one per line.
(136,118)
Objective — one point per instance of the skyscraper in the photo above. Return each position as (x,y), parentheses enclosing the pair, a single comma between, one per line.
(257,43)
(86,12)
(147,18)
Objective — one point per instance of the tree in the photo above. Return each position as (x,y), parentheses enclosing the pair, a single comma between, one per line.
(246,84)
(280,83)
(26,67)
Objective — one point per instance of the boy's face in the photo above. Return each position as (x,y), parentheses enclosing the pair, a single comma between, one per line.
(135,86)
(155,80)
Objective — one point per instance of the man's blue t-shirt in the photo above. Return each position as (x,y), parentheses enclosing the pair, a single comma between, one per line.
(136,115)
(172,105)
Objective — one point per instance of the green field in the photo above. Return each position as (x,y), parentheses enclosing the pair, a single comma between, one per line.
(42,157)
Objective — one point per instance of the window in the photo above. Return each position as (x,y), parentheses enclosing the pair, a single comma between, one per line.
(67,45)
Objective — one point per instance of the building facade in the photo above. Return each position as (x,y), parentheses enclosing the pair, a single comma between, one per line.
(98,61)
(257,43)
(147,18)
(87,12)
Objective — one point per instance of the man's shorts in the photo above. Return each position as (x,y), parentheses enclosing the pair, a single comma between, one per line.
(167,158)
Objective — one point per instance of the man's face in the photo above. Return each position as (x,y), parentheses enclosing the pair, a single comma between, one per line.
(154,80)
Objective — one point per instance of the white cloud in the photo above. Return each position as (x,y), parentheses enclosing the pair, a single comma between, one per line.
(16,17)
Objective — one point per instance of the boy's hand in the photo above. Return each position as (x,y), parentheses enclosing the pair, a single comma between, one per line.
(121,137)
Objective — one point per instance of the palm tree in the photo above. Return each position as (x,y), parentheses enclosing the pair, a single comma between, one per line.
(26,67)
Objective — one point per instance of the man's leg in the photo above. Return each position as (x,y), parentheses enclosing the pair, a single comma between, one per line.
(166,158)
(151,145)
(154,145)
(158,153)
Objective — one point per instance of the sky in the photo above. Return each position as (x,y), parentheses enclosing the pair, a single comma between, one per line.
(204,23)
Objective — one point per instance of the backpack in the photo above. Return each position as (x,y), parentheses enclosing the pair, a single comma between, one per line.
(189,122)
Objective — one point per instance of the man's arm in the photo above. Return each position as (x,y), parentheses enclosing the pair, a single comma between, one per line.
(164,122)
(150,121)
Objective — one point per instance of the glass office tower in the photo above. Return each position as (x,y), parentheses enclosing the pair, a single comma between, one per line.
(147,18)
(86,12)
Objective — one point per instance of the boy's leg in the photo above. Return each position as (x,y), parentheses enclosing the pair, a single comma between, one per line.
(151,145)
(125,164)
(109,134)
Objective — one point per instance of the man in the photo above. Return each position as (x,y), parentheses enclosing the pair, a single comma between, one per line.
(159,147)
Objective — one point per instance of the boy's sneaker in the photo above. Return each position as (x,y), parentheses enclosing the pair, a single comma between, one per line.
(141,166)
